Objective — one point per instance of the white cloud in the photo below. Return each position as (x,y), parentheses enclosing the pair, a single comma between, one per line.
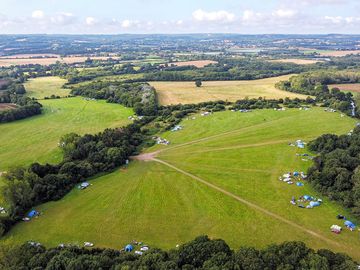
(38,14)
(252,16)
(284,13)
(213,16)
(63,18)
(125,23)
(90,21)
(334,19)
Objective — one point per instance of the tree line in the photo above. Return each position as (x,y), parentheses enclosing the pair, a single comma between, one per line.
(336,171)
(317,84)
(84,156)
(140,96)
(12,91)
(201,253)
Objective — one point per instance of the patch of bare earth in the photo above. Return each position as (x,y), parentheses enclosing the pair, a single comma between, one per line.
(7,106)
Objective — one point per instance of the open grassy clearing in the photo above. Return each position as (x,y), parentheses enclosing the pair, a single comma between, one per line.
(297,61)
(186,92)
(243,154)
(45,87)
(36,138)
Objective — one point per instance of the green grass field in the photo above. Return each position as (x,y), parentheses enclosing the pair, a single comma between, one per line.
(45,87)
(186,92)
(35,139)
(219,176)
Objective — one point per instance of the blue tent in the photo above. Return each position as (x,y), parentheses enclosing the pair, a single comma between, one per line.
(129,248)
(296,174)
(299,184)
(314,204)
(349,224)
(32,214)
(307,197)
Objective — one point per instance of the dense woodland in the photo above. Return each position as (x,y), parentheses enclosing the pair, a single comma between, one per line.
(201,253)
(84,156)
(336,171)
(140,96)
(318,83)
(12,91)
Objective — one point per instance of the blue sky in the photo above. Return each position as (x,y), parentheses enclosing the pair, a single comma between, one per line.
(179,16)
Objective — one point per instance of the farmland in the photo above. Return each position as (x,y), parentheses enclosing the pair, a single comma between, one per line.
(26,60)
(297,61)
(45,87)
(186,92)
(218,177)
(351,87)
(7,106)
(198,64)
(35,139)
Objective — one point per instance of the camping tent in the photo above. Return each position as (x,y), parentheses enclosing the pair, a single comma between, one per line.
(336,229)
(349,224)
(299,184)
(307,197)
(33,213)
(129,248)
(314,204)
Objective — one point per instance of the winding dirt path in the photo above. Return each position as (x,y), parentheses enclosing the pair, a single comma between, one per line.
(249,204)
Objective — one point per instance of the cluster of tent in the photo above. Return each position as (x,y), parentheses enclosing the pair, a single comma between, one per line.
(130,248)
(347,223)
(242,110)
(32,214)
(161,141)
(295,176)
(306,199)
(177,128)
(299,144)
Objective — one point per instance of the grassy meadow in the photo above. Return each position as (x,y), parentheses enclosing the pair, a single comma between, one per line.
(243,154)
(186,92)
(35,139)
(45,87)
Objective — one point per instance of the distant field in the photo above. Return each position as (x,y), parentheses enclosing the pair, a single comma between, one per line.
(198,64)
(113,78)
(219,176)
(297,61)
(7,106)
(36,138)
(331,53)
(45,87)
(187,92)
(6,61)
(351,87)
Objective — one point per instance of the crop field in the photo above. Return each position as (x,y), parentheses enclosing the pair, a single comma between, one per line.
(186,92)
(297,61)
(36,139)
(350,87)
(7,106)
(45,87)
(197,63)
(219,176)
(11,61)
(330,53)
